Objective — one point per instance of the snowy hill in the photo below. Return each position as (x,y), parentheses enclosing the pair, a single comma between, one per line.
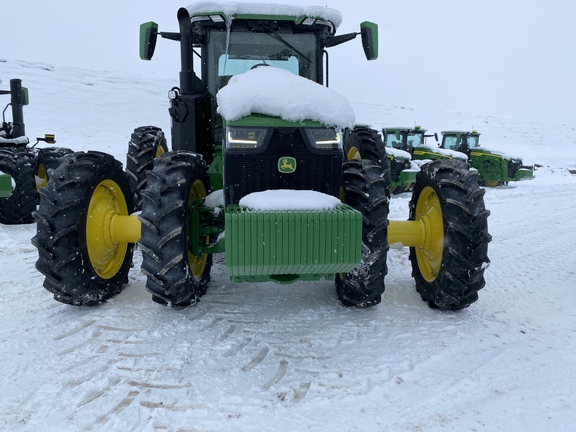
(265,357)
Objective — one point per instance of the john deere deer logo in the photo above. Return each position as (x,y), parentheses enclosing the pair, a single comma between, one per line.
(286,165)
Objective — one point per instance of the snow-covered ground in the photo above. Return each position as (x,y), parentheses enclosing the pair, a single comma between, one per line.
(265,357)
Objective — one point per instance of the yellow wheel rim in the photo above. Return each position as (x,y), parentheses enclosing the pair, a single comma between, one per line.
(197,265)
(159,151)
(353,153)
(43,177)
(492,183)
(429,255)
(106,203)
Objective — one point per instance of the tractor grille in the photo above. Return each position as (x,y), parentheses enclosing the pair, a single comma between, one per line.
(247,172)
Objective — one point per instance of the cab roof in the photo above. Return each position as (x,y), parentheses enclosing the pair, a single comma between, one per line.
(300,15)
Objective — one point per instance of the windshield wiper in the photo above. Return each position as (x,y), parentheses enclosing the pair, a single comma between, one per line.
(279,38)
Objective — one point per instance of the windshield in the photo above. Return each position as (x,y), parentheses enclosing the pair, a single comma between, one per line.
(452,142)
(393,139)
(473,141)
(293,52)
(415,139)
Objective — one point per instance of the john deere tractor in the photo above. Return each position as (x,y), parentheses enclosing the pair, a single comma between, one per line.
(400,143)
(238,131)
(494,167)
(23,169)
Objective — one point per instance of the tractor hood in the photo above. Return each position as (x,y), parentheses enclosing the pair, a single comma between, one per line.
(493,152)
(278,93)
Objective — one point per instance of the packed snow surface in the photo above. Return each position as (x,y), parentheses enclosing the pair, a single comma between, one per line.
(267,357)
(277,92)
(283,199)
(231,9)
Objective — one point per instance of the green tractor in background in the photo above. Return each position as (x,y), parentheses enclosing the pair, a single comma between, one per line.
(395,164)
(400,143)
(494,168)
(23,169)
(196,199)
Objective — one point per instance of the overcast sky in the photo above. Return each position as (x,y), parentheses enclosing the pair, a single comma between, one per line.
(511,58)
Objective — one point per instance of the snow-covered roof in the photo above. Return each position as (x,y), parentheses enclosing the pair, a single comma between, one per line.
(279,93)
(232,10)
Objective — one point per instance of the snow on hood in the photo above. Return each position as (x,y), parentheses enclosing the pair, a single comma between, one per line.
(398,153)
(497,152)
(231,9)
(287,199)
(447,152)
(279,93)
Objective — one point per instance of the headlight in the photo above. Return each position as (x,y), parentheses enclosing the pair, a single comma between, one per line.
(245,138)
(325,139)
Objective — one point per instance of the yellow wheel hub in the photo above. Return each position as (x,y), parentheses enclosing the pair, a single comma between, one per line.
(106,253)
(353,153)
(42,175)
(429,253)
(492,183)
(197,265)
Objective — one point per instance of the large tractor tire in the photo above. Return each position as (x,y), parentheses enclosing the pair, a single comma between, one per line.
(175,185)
(81,263)
(47,159)
(366,143)
(449,268)
(146,144)
(366,190)
(17,208)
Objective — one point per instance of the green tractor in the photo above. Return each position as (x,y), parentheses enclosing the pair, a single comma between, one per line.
(494,168)
(400,143)
(414,141)
(23,168)
(254,129)
(396,164)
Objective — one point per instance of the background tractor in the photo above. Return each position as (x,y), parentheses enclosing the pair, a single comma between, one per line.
(400,143)
(254,116)
(23,169)
(364,142)
(494,168)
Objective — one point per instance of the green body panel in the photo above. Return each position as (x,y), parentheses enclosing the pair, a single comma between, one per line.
(216,169)
(407,177)
(495,168)
(421,153)
(5,185)
(261,120)
(286,246)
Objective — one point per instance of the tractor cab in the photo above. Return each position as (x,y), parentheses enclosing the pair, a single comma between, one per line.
(460,141)
(404,138)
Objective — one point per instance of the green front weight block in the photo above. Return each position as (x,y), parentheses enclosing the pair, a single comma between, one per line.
(287,246)
(5,185)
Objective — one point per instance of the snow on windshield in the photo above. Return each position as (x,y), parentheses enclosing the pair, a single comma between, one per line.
(279,93)
(231,9)
(287,199)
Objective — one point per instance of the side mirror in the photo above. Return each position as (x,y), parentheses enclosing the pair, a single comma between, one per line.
(148,37)
(369,32)
(25,99)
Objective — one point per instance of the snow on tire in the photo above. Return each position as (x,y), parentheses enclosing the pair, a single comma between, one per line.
(80,267)
(366,190)
(449,272)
